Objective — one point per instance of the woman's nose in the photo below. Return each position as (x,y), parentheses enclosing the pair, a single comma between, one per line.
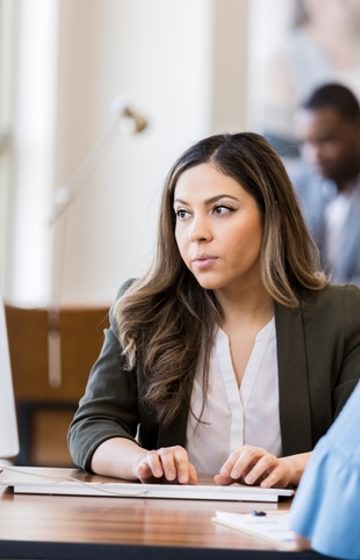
(201,229)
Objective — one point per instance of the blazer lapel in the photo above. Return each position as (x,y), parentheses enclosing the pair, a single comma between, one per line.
(295,412)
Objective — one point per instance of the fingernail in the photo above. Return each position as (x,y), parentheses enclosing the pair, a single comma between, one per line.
(249,479)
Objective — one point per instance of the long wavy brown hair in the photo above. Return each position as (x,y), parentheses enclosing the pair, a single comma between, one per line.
(166,320)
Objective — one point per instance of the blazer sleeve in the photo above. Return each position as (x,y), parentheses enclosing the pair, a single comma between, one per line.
(109,407)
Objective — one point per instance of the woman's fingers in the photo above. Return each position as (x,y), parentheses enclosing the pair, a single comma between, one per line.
(150,467)
(182,464)
(170,463)
(167,459)
(193,477)
(244,464)
(175,463)
(264,464)
(143,472)
(253,465)
(269,471)
(278,476)
(238,465)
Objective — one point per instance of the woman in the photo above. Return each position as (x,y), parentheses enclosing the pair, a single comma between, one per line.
(232,356)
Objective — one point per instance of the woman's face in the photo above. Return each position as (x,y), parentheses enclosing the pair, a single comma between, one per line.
(218,229)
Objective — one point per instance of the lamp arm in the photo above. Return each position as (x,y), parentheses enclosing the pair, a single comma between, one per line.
(65,194)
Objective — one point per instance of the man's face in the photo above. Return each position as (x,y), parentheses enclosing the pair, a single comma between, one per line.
(330,143)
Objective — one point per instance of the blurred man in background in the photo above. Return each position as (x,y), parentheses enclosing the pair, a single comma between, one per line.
(329,187)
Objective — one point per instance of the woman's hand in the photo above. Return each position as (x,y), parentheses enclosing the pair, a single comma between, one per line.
(254,465)
(169,463)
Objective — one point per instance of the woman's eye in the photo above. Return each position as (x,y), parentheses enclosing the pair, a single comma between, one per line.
(221,210)
(182,214)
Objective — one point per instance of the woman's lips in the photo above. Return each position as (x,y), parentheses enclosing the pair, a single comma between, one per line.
(204,261)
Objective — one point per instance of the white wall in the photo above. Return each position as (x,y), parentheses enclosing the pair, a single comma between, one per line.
(156,55)
(229,60)
(160,56)
(31,126)
(267,29)
(180,62)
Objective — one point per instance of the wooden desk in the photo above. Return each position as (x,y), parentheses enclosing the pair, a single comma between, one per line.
(69,528)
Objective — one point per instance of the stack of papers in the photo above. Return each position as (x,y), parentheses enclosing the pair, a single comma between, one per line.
(270,526)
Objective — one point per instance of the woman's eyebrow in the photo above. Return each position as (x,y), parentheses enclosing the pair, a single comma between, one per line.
(209,200)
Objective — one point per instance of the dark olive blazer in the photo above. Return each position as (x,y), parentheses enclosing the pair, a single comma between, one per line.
(318,347)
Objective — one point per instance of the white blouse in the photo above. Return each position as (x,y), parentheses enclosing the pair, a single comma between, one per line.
(233,415)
